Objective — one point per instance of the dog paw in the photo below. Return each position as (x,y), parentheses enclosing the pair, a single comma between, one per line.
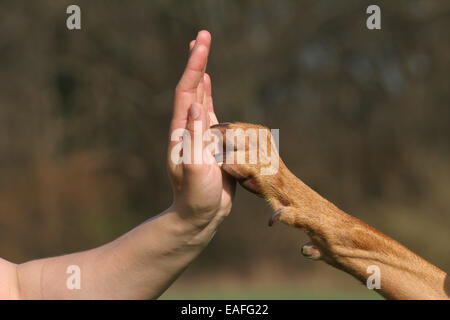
(248,154)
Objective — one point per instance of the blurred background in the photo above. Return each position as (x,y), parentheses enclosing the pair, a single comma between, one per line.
(364,119)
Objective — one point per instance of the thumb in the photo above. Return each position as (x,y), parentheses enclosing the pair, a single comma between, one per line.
(197,118)
(197,125)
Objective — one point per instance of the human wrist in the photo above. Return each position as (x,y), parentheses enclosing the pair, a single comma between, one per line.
(199,214)
(192,227)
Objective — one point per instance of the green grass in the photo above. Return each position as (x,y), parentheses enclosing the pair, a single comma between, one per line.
(267,293)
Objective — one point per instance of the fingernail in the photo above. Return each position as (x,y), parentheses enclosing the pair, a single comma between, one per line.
(194,112)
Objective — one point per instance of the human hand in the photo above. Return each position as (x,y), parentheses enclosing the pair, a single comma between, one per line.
(202,191)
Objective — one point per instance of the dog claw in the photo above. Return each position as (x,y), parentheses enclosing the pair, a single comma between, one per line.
(274,217)
(219,157)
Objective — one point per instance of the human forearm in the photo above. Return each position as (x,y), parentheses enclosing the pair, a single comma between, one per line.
(140,264)
(8,280)
(144,262)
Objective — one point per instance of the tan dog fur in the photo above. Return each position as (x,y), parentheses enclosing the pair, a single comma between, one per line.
(337,238)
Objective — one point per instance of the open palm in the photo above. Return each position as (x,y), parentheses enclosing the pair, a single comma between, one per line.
(203,192)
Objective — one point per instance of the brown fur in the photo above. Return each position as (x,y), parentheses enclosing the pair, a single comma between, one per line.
(336,237)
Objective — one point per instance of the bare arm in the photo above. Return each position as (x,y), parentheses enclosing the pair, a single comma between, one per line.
(139,265)
(145,261)
(336,237)
(8,280)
